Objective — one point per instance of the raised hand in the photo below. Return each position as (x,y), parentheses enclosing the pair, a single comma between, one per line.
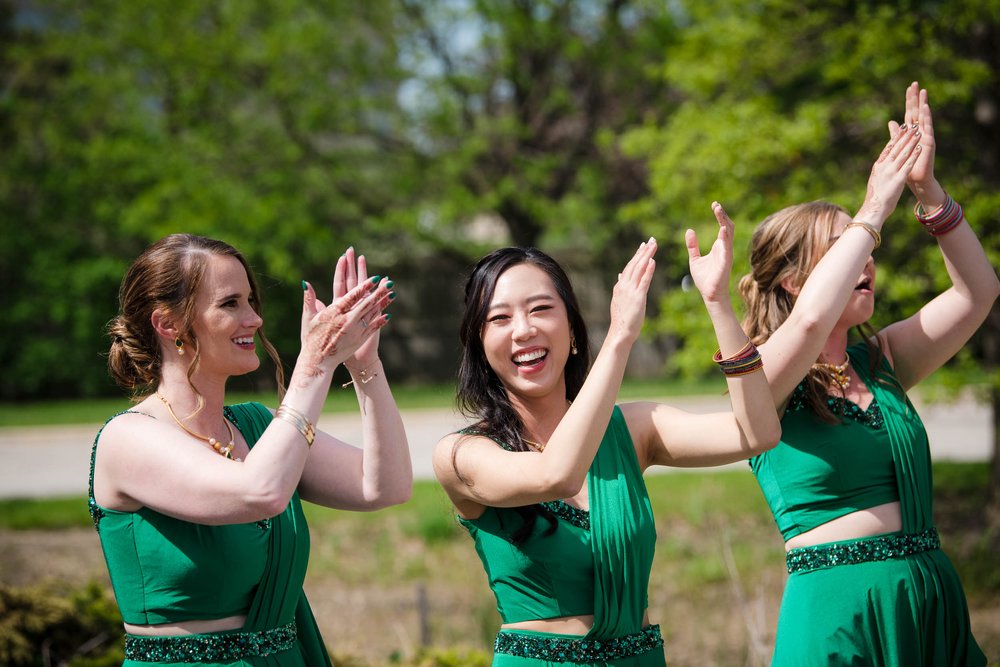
(332,334)
(628,299)
(921,181)
(889,175)
(710,272)
(349,273)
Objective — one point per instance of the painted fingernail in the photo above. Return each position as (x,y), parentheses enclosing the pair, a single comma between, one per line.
(915,126)
(305,286)
(392,295)
(375,279)
(389,283)
(388,316)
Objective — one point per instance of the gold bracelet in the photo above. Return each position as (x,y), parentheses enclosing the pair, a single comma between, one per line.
(868,227)
(299,421)
(364,376)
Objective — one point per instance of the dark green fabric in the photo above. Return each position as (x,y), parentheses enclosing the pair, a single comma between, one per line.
(167,570)
(623,534)
(902,612)
(616,554)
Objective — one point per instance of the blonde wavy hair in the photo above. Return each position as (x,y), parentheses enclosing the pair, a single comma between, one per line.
(785,247)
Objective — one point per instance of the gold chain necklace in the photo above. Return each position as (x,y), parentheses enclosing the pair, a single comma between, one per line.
(226,451)
(839,373)
(537,446)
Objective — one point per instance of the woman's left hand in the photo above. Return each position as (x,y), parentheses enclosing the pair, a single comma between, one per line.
(921,180)
(352,270)
(711,272)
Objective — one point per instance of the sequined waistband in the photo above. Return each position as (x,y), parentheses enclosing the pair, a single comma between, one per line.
(560,648)
(864,550)
(210,647)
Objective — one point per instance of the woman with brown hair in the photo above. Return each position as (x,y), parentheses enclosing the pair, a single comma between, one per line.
(548,480)
(850,482)
(197,503)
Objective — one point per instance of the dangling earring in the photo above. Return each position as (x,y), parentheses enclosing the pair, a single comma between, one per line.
(180,346)
(572,344)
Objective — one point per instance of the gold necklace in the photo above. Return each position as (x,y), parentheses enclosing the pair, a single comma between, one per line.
(226,451)
(839,373)
(535,445)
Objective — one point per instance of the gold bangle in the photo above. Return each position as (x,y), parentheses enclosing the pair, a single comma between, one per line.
(299,421)
(364,376)
(868,227)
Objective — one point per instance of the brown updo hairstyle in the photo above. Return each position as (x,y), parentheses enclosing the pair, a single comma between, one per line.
(788,244)
(166,276)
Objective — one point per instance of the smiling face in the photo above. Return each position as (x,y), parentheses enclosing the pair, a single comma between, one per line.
(526,333)
(225,321)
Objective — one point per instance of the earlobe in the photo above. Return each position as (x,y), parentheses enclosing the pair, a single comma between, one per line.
(789,286)
(163,325)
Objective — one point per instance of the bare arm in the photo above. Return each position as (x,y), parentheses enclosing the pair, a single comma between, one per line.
(480,473)
(379,475)
(144,462)
(920,344)
(792,349)
(672,437)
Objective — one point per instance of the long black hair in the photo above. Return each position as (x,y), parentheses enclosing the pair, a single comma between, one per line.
(480,394)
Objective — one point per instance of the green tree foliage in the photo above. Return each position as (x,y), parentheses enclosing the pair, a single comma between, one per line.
(783,102)
(269,124)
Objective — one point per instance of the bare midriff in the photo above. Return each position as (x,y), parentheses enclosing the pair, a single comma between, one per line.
(187,627)
(564,625)
(863,523)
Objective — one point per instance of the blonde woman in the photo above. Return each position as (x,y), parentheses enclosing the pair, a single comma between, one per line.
(850,482)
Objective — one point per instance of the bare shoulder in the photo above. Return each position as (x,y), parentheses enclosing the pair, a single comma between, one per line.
(447,449)
(127,427)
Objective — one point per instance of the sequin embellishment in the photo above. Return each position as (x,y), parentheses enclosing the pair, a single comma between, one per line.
(585,649)
(211,647)
(872,417)
(864,550)
(573,515)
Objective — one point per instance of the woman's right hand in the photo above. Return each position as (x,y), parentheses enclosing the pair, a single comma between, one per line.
(889,174)
(628,299)
(331,334)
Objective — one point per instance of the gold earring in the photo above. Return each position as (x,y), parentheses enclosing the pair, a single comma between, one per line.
(572,344)
(180,346)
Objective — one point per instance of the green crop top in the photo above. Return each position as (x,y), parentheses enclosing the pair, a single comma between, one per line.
(166,570)
(818,471)
(550,576)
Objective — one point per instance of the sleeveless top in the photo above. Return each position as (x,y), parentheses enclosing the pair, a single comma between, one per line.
(595,562)
(819,471)
(167,570)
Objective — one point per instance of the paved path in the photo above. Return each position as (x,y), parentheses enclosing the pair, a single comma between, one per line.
(48,461)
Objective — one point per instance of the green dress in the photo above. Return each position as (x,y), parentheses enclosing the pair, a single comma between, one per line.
(886,600)
(593,562)
(165,570)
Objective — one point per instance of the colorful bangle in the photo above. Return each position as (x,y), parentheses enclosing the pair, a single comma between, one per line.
(943,220)
(868,227)
(744,362)
(298,420)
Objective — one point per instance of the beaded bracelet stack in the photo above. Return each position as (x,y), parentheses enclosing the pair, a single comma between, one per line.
(298,420)
(941,221)
(744,362)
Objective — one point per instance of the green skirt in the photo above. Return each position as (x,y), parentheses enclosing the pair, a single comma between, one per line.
(907,612)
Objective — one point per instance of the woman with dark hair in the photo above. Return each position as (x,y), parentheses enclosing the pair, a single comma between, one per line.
(850,483)
(548,480)
(197,503)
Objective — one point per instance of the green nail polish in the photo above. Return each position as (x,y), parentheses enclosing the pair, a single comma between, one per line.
(305,286)
(388,316)
(375,279)
(389,283)
(392,295)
